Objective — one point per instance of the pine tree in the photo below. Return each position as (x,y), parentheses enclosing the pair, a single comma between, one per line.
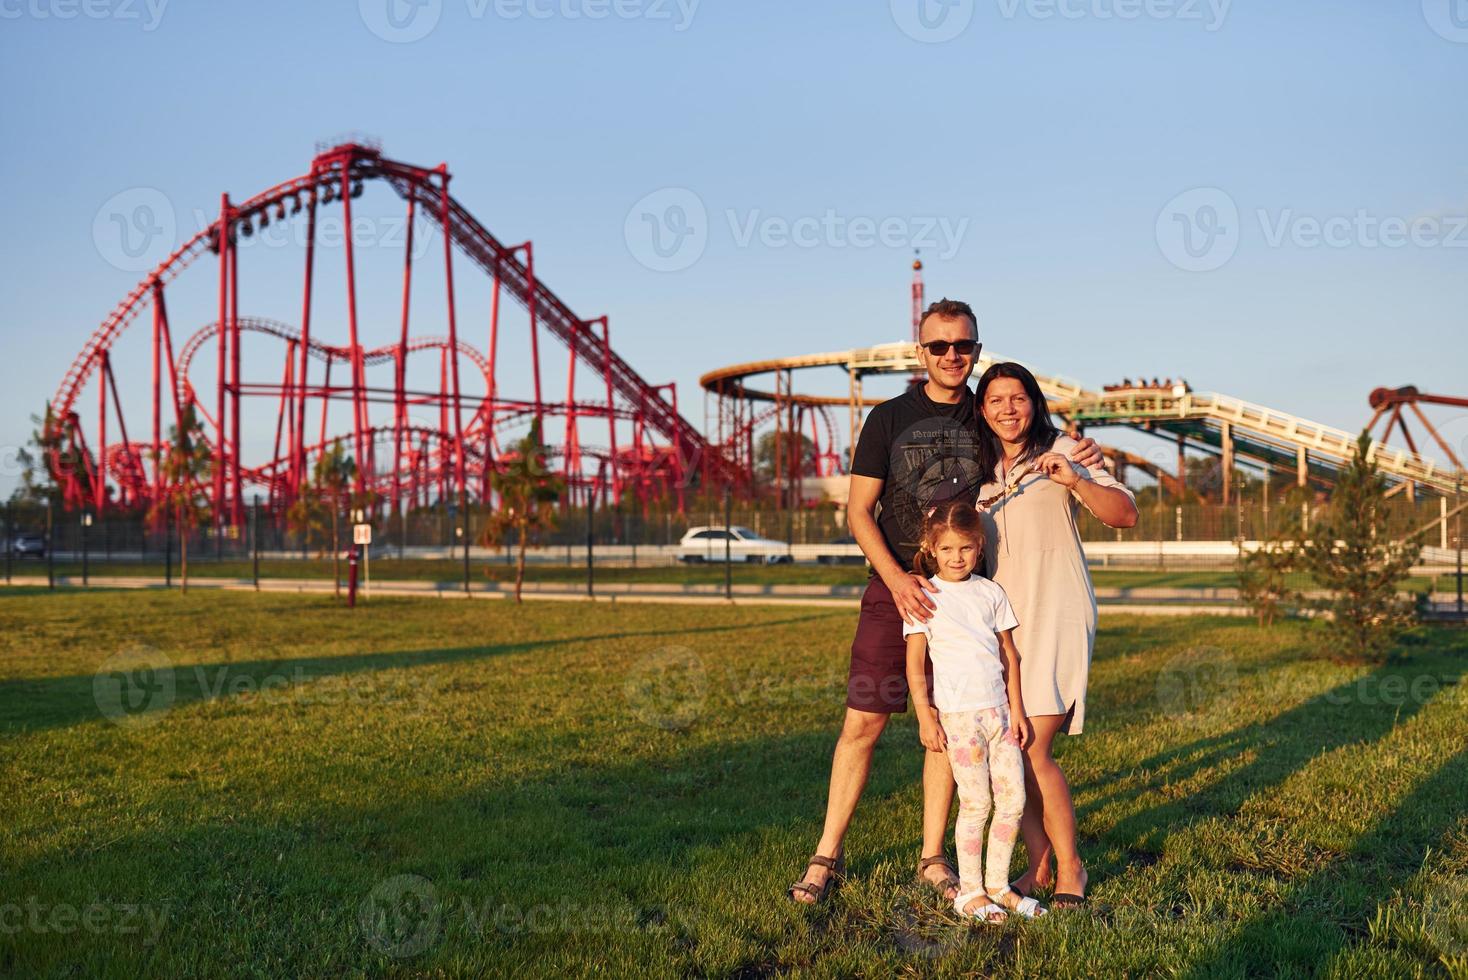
(528,492)
(187,465)
(1362,569)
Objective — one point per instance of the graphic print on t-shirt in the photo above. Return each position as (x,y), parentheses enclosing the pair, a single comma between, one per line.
(933,460)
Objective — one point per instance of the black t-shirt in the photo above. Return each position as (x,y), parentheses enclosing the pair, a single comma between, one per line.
(924,452)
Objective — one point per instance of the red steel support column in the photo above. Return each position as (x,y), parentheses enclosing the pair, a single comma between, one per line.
(100,484)
(224,242)
(678,468)
(453,349)
(568,447)
(359,407)
(494,336)
(400,401)
(236,493)
(298,454)
(606,348)
(534,333)
(157,395)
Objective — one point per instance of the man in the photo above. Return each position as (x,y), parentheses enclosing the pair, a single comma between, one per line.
(915,450)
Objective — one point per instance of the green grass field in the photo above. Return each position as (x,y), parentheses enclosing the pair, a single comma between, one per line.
(452,570)
(272,785)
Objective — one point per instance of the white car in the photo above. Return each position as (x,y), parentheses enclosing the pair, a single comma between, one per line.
(708,544)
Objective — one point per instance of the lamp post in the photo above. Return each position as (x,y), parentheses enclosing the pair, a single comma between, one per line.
(86,523)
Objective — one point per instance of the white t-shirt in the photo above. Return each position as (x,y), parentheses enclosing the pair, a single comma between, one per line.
(963,643)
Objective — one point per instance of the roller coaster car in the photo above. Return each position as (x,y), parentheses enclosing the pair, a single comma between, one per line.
(709,544)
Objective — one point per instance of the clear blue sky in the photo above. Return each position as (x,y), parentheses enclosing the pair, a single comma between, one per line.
(1056,134)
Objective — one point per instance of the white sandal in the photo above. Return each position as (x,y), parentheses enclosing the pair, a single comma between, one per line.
(989,913)
(1029,909)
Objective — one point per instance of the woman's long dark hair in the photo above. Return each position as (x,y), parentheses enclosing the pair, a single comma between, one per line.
(1039,437)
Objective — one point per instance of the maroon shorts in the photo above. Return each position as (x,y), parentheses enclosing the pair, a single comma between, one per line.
(878,678)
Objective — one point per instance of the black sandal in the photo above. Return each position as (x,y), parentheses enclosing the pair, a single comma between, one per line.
(1065,900)
(817,893)
(950,880)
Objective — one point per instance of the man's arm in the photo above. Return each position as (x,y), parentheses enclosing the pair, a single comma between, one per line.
(906,588)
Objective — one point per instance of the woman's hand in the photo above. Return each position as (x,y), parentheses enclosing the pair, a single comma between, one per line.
(930,731)
(1058,468)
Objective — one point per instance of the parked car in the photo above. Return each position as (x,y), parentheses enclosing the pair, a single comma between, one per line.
(856,558)
(28,546)
(708,544)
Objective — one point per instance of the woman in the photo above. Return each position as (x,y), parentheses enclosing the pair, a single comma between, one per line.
(1034,551)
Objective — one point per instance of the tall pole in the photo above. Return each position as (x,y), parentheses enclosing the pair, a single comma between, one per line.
(255,539)
(359,404)
(236,492)
(728,546)
(298,457)
(51,546)
(1458,534)
(222,362)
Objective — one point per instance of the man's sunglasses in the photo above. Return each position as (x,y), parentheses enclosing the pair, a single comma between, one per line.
(939,348)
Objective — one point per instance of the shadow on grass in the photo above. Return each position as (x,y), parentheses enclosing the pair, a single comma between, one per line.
(1329,909)
(31,704)
(1275,749)
(655,846)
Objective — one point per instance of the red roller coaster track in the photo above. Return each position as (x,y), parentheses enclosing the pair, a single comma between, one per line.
(454,457)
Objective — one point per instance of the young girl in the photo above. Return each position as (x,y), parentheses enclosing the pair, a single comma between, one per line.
(977,713)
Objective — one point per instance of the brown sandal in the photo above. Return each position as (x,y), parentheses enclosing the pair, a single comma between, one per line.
(837,867)
(950,880)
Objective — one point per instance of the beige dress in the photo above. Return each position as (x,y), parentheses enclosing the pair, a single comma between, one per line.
(1033,549)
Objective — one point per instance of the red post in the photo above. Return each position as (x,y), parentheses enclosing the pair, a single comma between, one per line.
(298,460)
(219,419)
(606,351)
(157,396)
(100,488)
(569,446)
(352,578)
(400,400)
(236,493)
(494,335)
(532,289)
(359,407)
(453,351)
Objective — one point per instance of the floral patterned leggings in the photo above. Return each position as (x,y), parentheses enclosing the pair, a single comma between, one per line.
(984,755)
